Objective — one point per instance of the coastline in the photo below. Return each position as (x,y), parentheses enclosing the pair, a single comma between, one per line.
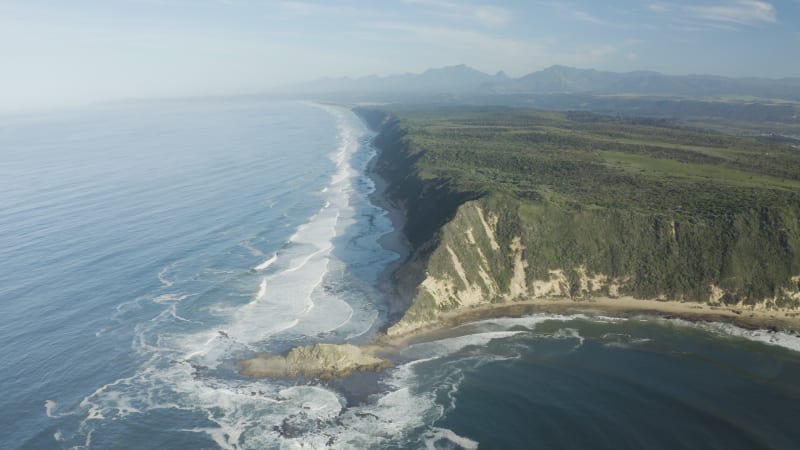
(743,317)
(622,307)
(393,241)
(328,361)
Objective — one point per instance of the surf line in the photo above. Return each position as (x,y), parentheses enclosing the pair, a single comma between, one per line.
(264,265)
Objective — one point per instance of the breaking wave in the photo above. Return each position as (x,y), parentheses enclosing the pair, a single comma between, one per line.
(312,287)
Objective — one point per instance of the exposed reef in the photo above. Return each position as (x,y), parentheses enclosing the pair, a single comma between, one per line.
(323,361)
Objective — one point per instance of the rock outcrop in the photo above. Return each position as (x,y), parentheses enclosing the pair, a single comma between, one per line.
(314,361)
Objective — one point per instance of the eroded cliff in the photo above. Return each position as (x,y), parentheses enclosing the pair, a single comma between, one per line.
(476,243)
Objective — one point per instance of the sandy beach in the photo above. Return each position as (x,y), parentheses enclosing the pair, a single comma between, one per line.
(784,320)
(394,241)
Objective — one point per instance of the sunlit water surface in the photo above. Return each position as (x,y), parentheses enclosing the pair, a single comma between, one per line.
(144,248)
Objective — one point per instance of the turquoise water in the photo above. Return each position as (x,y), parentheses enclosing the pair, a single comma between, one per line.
(145,247)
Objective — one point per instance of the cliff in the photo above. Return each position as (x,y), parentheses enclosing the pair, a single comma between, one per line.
(504,205)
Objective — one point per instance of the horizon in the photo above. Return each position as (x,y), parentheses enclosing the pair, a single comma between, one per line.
(283,90)
(501,70)
(92,51)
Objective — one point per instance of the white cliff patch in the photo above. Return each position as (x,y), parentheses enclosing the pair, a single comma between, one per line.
(457,265)
(715,298)
(484,264)
(405,327)
(773,304)
(441,290)
(613,289)
(591,284)
(488,229)
(472,294)
(471,237)
(556,286)
(519,284)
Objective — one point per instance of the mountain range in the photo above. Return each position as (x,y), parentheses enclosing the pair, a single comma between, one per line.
(462,79)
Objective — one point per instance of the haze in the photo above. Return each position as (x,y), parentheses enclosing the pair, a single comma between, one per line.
(59,53)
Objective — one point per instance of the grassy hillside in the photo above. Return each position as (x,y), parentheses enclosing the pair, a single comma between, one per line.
(646,206)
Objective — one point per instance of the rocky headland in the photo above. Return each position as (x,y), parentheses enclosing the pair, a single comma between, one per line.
(505,216)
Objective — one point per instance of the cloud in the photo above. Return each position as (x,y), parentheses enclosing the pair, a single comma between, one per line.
(659,7)
(306,8)
(726,16)
(491,15)
(569,11)
(301,8)
(450,45)
(584,16)
(458,37)
(600,52)
(486,15)
(742,12)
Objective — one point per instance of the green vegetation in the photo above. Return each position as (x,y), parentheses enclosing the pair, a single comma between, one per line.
(601,163)
(669,209)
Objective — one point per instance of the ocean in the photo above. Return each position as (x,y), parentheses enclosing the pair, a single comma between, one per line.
(146,247)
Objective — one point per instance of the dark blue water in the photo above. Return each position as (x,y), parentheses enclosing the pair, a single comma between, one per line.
(144,248)
(628,384)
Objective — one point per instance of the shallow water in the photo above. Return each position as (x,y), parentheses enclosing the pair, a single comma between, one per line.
(145,247)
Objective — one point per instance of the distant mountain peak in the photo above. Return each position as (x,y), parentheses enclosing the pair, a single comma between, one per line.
(459,68)
(501,75)
(557,79)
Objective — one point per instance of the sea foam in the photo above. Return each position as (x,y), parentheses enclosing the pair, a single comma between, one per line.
(264,265)
(182,361)
(776,338)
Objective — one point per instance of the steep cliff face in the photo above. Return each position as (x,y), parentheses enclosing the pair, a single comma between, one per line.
(475,246)
(482,257)
(468,264)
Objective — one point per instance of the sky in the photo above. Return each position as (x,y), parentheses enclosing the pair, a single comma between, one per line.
(58,52)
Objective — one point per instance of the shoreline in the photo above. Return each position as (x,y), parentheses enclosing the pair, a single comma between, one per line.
(384,343)
(341,361)
(743,317)
(622,307)
(393,241)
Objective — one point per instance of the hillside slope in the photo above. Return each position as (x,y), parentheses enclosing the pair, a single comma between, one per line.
(506,204)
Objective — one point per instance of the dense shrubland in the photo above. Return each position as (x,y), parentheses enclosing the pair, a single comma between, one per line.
(663,210)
